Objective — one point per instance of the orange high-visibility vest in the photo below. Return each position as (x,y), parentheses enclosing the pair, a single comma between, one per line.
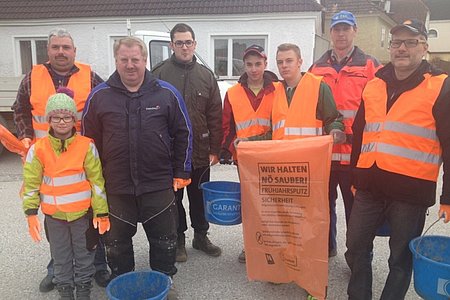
(42,88)
(64,185)
(248,121)
(299,119)
(347,86)
(403,140)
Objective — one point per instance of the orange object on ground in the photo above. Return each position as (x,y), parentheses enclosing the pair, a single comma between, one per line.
(10,142)
(285,210)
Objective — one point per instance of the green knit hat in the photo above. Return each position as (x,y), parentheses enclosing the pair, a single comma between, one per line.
(60,103)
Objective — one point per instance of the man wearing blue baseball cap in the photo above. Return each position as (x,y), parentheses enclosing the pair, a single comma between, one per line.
(346,69)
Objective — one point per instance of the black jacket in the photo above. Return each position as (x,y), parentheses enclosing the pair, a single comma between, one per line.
(200,91)
(144,138)
(397,186)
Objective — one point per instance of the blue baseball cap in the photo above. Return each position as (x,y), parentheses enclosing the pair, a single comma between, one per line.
(343,17)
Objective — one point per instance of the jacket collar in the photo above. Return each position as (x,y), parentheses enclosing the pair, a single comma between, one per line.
(115,82)
(60,145)
(183,65)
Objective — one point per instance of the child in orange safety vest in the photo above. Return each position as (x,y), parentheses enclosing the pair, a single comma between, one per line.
(63,175)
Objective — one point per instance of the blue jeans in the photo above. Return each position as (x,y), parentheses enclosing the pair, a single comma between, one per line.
(368,213)
(99,260)
(343,180)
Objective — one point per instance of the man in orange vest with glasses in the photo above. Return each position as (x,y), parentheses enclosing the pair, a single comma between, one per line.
(37,86)
(401,137)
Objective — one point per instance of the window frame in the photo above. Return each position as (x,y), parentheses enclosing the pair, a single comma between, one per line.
(30,38)
(230,39)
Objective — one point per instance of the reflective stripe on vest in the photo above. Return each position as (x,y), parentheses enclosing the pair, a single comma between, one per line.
(404,140)
(403,152)
(248,121)
(64,180)
(65,199)
(64,185)
(42,87)
(348,113)
(299,119)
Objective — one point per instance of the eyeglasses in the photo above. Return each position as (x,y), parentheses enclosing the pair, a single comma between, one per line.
(66,119)
(180,44)
(409,43)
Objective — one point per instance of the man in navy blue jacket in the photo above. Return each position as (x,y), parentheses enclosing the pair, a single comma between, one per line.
(143,133)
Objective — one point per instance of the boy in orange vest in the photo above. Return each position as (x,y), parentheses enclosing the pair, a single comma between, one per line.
(247,107)
(63,175)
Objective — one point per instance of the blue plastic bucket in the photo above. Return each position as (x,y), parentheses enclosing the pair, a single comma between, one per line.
(146,285)
(222,201)
(431,264)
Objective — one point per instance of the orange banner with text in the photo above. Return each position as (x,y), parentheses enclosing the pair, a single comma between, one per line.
(285,210)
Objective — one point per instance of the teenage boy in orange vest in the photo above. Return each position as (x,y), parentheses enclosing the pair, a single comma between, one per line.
(63,175)
(303,104)
(247,106)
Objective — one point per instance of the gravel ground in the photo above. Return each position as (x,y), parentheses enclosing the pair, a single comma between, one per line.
(23,262)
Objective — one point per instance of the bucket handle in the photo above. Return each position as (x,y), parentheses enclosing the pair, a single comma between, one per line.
(423,234)
(201,177)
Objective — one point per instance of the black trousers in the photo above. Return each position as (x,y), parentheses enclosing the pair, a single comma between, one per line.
(196,206)
(406,221)
(157,213)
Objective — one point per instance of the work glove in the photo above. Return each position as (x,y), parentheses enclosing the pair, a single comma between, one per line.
(339,137)
(444,212)
(238,140)
(179,183)
(102,223)
(34,227)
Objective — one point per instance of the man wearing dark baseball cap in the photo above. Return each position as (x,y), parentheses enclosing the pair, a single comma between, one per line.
(414,26)
(400,139)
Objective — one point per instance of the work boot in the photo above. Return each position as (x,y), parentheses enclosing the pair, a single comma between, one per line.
(102,278)
(46,284)
(65,292)
(83,290)
(181,255)
(241,257)
(201,242)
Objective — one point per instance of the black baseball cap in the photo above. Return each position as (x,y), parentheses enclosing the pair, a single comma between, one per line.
(415,26)
(256,49)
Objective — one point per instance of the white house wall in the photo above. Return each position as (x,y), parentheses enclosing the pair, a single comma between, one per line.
(92,37)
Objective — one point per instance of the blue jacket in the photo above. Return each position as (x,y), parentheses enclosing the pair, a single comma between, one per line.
(144,138)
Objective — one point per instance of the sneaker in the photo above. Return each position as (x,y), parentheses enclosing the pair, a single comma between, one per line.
(181,255)
(46,284)
(241,257)
(332,253)
(102,278)
(201,242)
